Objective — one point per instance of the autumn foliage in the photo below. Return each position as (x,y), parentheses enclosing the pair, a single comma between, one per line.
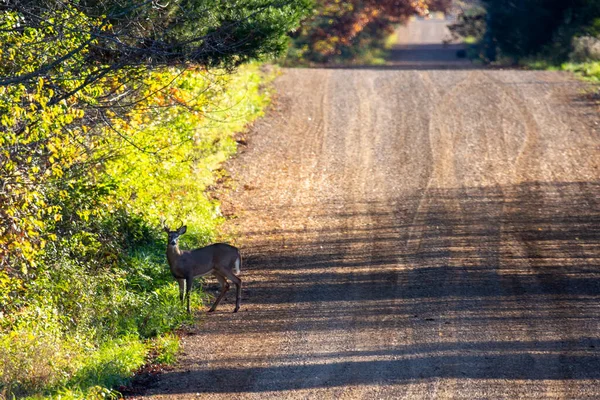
(342,29)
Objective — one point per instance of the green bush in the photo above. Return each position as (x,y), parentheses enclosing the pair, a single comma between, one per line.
(101,293)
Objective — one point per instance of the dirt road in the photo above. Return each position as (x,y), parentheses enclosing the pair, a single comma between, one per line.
(425,230)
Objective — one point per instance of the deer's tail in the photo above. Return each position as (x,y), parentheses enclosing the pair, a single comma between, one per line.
(238,264)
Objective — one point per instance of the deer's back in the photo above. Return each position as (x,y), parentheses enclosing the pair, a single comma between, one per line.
(204,259)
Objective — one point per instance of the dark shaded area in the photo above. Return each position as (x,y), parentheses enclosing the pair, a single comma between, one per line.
(422,46)
(420,57)
(531,366)
(428,56)
(526,28)
(506,258)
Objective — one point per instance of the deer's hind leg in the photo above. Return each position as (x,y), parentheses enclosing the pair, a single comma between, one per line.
(224,288)
(238,283)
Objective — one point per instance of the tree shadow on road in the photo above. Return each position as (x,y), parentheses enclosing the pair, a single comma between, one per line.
(504,259)
(522,361)
(418,57)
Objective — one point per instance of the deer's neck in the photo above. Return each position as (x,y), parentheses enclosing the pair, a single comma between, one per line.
(173,253)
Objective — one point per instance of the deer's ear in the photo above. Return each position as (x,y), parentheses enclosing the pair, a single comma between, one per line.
(182,230)
(165,229)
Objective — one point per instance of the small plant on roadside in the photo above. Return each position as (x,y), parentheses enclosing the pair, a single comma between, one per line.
(166,348)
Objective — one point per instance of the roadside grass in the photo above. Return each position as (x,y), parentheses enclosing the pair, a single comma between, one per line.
(110,366)
(113,365)
(587,70)
(81,335)
(166,348)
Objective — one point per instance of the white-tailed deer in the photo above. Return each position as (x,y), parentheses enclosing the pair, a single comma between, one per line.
(219,259)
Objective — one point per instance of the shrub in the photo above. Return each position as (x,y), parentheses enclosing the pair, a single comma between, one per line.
(35,354)
(166,348)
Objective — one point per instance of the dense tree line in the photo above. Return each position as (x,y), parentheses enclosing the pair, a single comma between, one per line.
(126,33)
(526,28)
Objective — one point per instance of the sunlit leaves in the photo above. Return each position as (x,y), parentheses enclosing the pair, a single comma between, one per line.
(171,143)
(40,135)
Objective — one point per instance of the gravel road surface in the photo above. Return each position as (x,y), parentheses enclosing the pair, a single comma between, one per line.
(423,230)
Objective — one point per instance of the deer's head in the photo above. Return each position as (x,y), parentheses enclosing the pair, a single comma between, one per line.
(174,234)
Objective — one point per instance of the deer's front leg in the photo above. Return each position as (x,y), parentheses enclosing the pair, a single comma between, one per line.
(188,289)
(181,289)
